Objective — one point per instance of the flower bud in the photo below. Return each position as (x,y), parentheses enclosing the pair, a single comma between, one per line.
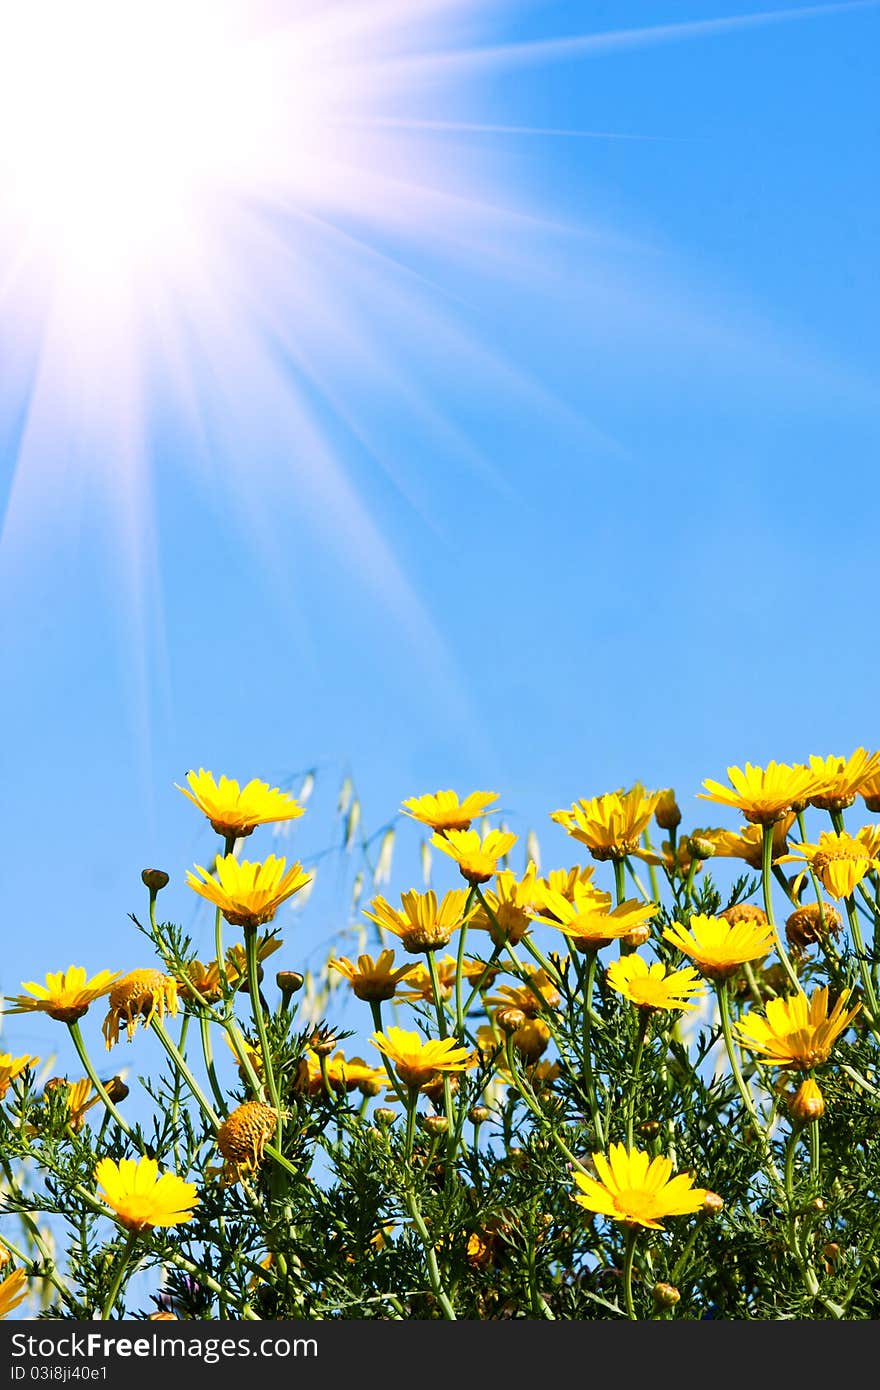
(698,847)
(154,879)
(831,1251)
(479,1114)
(637,937)
(509,1018)
(666,1295)
(322,1042)
(116,1089)
(289,981)
(807,1103)
(372,1086)
(385,1117)
(667,813)
(531,1039)
(650,1128)
(713,1204)
(435,1124)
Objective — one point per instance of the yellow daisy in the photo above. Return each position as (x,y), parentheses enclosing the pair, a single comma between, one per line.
(841,779)
(140,1198)
(748,843)
(653,986)
(539,993)
(840,861)
(765,795)
(418,1062)
(249,894)
(343,1074)
(236,811)
(13,1291)
(11,1067)
(571,883)
(718,948)
(444,811)
(611,825)
(637,1189)
(509,908)
(139,994)
(418,984)
(424,924)
(590,922)
(796,1031)
(79,1098)
(65,996)
(477,858)
(870,790)
(372,979)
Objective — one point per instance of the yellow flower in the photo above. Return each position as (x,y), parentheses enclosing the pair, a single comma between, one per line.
(343,1074)
(13,1291)
(424,924)
(79,1098)
(236,959)
(65,996)
(372,979)
(748,843)
(610,825)
(236,811)
(140,1198)
(416,1062)
(418,985)
(841,779)
(870,790)
(477,859)
(139,994)
(840,861)
(571,883)
(205,979)
(765,795)
(653,986)
(531,1039)
(11,1067)
(539,993)
(719,949)
(509,907)
(797,1031)
(242,1139)
(444,811)
(589,921)
(637,1190)
(249,894)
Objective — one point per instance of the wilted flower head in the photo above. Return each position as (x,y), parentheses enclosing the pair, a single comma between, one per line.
(139,994)
(242,1138)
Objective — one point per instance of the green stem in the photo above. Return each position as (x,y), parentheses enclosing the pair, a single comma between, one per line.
(376,1010)
(253,970)
(208,1053)
(631,1237)
(619,882)
(185,1072)
(644,1021)
(588,976)
(864,967)
(119,1274)
(98,1084)
(745,1093)
(766,872)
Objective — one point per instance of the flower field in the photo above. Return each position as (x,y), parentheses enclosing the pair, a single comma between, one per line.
(641,1085)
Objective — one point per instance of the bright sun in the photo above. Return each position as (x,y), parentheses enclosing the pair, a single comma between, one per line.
(121,122)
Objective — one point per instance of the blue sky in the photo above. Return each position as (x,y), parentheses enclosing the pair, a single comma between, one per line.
(599,509)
